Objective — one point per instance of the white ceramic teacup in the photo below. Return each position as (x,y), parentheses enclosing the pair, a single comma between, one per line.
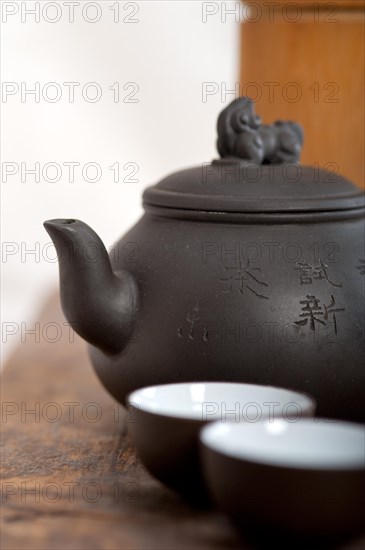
(168,418)
(306,476)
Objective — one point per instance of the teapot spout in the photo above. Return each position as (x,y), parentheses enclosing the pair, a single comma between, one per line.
(99,304)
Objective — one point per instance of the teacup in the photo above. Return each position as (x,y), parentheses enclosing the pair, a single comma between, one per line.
(167,420)
(291,477)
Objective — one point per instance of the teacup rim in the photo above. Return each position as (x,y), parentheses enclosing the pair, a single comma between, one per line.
(308,401)
(210,439)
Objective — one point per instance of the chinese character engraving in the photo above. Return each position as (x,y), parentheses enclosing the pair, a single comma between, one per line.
(319,272)
(361,267)
(330,309)
(192,318)
(242,276)
(313,312)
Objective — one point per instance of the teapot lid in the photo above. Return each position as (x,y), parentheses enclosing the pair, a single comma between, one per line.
(258,172)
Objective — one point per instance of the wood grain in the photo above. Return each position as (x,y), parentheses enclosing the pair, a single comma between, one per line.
(315,67)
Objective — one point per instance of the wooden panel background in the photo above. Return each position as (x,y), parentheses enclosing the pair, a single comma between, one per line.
(314,68)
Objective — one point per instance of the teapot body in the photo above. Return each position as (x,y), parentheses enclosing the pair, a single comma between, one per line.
(249,269)
(265,299)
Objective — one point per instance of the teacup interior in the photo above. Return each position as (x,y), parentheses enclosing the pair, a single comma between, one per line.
(308,443)
(221,401)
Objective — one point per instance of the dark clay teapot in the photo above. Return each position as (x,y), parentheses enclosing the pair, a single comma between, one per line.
(250,268)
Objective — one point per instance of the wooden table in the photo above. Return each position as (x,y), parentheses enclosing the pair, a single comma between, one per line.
(70,477)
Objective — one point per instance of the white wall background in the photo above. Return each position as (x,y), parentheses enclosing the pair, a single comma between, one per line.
(169,53)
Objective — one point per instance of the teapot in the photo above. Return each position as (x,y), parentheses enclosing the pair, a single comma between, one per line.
(249,268)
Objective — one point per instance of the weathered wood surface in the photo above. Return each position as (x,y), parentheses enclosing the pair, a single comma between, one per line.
(71,480)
